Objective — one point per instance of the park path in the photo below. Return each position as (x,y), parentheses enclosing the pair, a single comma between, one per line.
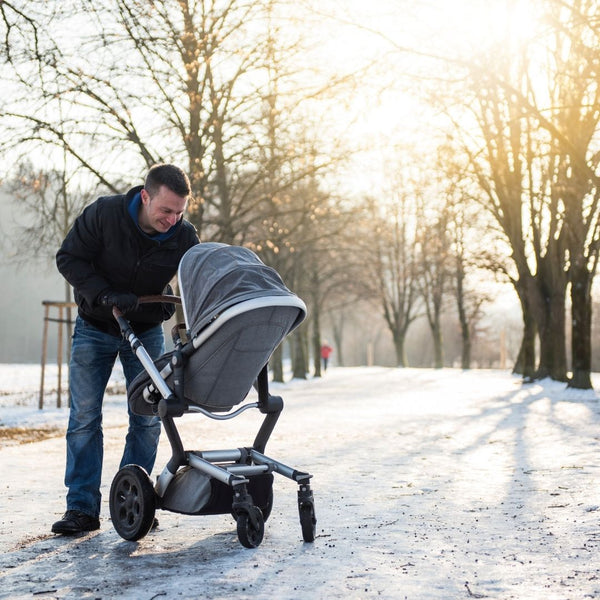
(428,485)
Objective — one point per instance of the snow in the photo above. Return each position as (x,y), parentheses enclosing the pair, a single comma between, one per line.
(428,485)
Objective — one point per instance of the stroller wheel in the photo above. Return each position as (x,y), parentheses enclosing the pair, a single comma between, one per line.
(265,504)
(308,521)
(250,531)
(132,502)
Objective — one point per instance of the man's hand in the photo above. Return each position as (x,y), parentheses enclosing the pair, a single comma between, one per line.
(124,301)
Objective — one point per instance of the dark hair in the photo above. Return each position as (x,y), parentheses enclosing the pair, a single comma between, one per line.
(169,175)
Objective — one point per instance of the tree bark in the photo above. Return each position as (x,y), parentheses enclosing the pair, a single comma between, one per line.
(553,359)
(277,364)
(549,289)
(399,338)
(299,369)
(581,324)
(525,363)
(438,345)
(465,358)
(338,331)
(316,339)
(465,331)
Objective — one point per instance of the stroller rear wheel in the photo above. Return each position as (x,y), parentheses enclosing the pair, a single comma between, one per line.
(132,502)
(250,527)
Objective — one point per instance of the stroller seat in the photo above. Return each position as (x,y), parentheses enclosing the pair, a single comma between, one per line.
(221,365)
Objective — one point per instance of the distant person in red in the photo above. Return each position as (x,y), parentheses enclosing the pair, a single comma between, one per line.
(326,351)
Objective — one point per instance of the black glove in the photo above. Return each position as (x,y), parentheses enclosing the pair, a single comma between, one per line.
(124,301)
(168,309)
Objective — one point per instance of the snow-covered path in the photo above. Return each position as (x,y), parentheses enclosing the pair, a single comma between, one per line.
(428,485)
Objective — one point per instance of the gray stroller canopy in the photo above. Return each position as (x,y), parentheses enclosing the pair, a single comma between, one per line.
(214,277)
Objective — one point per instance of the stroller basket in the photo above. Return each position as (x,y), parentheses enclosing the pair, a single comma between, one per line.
(237,311)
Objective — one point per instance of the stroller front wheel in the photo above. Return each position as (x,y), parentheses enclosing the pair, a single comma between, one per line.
(250,528)
(132,502)
(308,521)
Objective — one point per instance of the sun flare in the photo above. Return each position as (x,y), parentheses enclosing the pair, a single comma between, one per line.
(473,24)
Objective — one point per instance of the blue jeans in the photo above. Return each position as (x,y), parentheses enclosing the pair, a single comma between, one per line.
(93,355)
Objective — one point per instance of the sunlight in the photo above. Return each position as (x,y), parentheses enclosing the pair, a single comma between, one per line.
(392,48)
(354,33)
(473,24)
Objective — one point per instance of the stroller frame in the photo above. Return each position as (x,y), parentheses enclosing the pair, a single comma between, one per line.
(239,480)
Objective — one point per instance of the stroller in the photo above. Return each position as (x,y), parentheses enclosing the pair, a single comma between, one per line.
(237,311)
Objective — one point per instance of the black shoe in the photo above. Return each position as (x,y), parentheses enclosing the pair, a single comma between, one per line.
(75,521)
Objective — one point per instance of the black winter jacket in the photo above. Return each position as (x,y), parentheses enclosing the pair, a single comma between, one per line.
(106,250)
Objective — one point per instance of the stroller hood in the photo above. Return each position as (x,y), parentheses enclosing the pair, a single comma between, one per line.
(214,276)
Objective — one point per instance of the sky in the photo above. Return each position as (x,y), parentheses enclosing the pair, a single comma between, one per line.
(428,485)
(396,39)
(401,44)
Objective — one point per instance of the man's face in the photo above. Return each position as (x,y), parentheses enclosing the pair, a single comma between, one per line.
(160,212)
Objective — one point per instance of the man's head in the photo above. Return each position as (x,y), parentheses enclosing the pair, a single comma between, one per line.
(170,176)
(164,198)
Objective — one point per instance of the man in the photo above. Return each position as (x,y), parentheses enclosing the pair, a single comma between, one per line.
(121,247)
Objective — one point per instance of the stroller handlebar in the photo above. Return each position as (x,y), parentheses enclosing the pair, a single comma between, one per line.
(148,300)
(159,298)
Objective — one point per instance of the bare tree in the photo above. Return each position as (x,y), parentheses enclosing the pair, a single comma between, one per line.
(151,81)
(469,300)
(433,260)
(562,190)
(49,206)
(532,143)
(387,245)
(514,172)
(468,238)
(574,123)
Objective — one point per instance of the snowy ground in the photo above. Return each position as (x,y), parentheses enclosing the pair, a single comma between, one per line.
(428,485)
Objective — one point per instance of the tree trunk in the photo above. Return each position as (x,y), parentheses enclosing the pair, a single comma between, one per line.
(438,346)
(581,323)
(544,295)
(338,330)
(316,340)
(277,364)
(465,331)
(551,328)
(399,346)
(525,363)
(298,355)
(465,359)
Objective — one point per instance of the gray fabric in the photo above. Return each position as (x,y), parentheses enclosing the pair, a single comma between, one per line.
(188,492)
(220,373)
(214,276)
(221,370)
